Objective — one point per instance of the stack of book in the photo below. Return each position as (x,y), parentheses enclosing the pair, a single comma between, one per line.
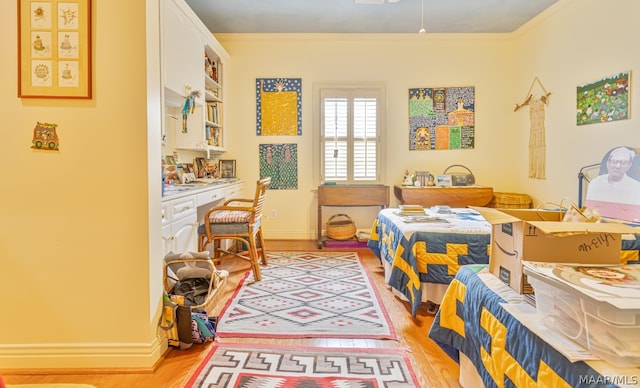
(411,210)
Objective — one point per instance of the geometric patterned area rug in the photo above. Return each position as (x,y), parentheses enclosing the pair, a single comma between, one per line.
(250,365)
(307,294)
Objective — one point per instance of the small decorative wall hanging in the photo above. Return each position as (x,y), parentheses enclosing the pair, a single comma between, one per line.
(278,107)
(604,100)
(45,137)
(280,162)
(442,118)
(189,106)
(54,37)
(537,136)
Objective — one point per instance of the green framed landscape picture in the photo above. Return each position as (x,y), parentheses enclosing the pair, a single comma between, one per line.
(604,100)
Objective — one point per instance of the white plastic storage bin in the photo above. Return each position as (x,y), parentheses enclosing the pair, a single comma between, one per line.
(612,334)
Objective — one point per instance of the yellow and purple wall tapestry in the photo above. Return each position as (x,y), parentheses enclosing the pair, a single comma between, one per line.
(278,107)
(280,162)
(442,118)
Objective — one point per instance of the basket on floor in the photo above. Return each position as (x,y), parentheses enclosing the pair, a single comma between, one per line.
(510,201)
(341,227)
(195,266)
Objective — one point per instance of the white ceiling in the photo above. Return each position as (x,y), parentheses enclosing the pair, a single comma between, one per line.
(345,16)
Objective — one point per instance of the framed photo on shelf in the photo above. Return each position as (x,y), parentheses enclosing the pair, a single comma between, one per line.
(201,168)
(227,168)
(54,39)
(444,180)
(188,168)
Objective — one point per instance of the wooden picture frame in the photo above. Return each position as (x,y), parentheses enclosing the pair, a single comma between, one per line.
(54,40)
(227,168)
(444,180)
(200,168)
(188,168)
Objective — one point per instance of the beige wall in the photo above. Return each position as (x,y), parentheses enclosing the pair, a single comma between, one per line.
(576,42)
(74,224)
(79,232)
(401,62)
(570,44)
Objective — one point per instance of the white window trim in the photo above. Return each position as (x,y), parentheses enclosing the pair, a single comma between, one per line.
(379,87)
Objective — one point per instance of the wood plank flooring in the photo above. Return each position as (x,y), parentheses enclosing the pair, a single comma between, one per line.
(432,366)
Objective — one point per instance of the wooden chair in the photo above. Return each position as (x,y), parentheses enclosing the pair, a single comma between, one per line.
(237,219)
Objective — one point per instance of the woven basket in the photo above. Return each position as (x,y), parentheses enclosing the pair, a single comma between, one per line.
(216,286)
(341,229)
(510,201)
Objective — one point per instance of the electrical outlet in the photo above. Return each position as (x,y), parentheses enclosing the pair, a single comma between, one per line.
(274,213)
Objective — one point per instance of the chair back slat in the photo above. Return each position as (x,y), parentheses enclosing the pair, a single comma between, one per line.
(261,193)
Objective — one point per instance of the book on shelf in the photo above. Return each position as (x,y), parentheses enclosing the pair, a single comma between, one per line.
(212,112)
(214,136)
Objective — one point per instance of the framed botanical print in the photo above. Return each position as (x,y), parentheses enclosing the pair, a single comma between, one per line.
(54,38)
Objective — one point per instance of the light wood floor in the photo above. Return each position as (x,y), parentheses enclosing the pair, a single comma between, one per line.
(432,367)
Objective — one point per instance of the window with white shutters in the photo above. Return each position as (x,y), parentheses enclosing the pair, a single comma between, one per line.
(350,131)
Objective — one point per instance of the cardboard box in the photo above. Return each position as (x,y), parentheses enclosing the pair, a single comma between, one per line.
(540,235)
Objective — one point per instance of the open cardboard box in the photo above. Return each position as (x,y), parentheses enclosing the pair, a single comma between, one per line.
(540,235)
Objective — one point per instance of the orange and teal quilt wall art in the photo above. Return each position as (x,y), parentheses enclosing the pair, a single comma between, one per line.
(442,118)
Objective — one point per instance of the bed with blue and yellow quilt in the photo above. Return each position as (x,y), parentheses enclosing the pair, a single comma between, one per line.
(473,321)
(429,248)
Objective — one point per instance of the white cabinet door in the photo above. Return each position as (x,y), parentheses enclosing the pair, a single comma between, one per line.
(186,43)
(185,234)
(179,225)
(182,52)
(167,240)
(180,236)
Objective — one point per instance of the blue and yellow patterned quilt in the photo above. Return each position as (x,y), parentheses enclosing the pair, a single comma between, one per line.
(506,353)
(422,251)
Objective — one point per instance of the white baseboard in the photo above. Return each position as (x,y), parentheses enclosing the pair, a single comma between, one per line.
(271,234)
(290,235)
(81,355)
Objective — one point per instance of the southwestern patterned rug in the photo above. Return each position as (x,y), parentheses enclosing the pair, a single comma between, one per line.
(307,294)
(247,366)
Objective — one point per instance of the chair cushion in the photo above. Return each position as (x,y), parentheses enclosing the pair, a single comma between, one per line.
(227,228)
(229,217)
